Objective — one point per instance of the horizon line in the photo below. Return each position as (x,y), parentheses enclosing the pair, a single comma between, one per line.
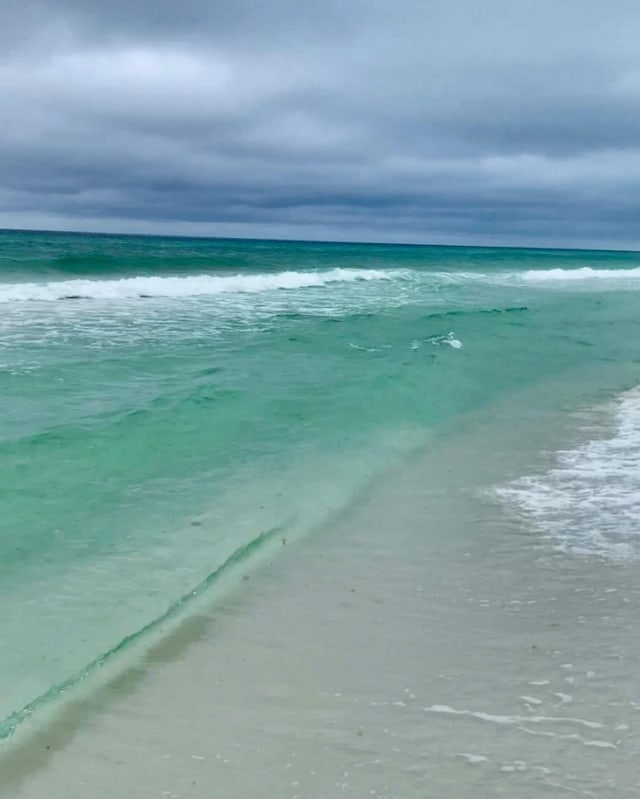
(195,236)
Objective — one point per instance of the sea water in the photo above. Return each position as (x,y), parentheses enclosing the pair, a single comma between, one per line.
(168,403)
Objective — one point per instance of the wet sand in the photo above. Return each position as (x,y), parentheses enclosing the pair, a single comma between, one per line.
(429,644)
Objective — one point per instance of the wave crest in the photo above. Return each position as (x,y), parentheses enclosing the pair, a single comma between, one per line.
(582,273)
(187,286)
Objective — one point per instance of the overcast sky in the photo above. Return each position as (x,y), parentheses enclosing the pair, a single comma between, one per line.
(465,121)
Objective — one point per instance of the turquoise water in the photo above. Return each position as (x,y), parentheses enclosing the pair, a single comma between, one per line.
(168,402)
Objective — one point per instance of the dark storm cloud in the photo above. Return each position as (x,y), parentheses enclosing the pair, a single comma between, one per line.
(492,122)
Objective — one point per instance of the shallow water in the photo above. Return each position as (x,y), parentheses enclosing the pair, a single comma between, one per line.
(432,642)
(167,402)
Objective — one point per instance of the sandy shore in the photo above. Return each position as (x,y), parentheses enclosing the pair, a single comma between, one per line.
(427,645)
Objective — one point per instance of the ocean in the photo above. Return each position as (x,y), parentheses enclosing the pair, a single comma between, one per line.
(171,405)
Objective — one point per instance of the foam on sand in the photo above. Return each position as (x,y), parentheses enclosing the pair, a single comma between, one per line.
(590,502)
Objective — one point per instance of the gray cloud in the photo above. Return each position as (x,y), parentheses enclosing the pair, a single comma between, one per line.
(505,121)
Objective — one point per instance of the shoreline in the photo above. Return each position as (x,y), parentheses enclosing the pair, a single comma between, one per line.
(121,669)
(157,629)
(323,649)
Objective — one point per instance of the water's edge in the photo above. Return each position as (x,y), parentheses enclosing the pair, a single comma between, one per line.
(145,635)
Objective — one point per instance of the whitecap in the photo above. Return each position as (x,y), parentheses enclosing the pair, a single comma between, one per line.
(450,339)
(186,286)
(580,273)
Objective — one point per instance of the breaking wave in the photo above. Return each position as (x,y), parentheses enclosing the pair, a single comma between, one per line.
(582,273)
(189,286)
(589,503)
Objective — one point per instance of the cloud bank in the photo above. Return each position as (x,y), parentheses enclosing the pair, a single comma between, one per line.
(495,122)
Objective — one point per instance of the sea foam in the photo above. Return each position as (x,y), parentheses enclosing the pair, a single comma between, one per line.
(589,503)
(582,273)
(187,286)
